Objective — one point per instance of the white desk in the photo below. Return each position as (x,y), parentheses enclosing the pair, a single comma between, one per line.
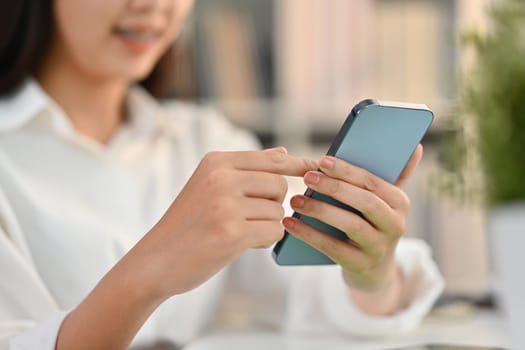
(478,329)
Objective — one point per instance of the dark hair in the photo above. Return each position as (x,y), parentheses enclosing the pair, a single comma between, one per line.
(26,29)
(25,32)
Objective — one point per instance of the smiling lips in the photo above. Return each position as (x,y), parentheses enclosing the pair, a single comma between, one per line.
(138,40)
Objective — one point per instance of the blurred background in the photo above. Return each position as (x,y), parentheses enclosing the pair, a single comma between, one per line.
(291,70)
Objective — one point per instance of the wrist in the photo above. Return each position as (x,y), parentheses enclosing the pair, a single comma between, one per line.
(381,296)
(115,310)
(139,279)
(141,273)
(111,314)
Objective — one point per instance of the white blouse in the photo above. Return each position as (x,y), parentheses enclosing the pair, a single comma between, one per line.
(70,208)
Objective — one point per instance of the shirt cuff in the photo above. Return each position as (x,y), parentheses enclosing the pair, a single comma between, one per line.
(42,336)
(424,285)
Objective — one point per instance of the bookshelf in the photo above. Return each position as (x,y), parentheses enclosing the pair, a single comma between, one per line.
(274,65)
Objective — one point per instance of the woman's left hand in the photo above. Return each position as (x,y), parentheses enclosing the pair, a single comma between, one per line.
(368,257)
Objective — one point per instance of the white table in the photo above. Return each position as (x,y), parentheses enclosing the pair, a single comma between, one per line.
(477,329)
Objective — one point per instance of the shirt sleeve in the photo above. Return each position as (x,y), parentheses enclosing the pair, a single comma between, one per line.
(319,301)
(20,335)
(29,316)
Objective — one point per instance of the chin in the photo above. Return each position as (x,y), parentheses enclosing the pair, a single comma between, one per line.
(136,74)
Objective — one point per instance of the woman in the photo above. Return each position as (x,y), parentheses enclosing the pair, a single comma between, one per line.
(90,163)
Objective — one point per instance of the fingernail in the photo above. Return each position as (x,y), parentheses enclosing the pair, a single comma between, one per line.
(288,223)
(297,202)
(311,178)
(327,163)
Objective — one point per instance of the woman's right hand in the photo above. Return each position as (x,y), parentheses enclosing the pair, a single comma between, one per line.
(232,202)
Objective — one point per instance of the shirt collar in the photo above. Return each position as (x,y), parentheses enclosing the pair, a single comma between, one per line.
(31,102)
(20,107)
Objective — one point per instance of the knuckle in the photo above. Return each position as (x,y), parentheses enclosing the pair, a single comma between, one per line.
(282,185)
(356,224)
(229,229)
(369,182)
(371,203)
(331,245)
(310,164)
(332,186)
(217,179)
(223,214)
(277,158)
(344,168)
(312,205)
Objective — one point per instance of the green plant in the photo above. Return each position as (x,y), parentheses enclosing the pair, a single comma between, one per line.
(493,97)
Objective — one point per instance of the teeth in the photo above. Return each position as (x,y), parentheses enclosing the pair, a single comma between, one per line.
(137,35)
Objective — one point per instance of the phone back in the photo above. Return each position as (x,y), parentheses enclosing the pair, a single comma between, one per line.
(377,136)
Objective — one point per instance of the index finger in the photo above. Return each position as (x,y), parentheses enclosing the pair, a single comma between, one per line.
(341,170)
(275,160)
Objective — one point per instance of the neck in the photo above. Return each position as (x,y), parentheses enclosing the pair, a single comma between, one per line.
(94,106)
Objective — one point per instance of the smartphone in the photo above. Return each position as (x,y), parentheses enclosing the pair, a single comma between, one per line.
(378,136)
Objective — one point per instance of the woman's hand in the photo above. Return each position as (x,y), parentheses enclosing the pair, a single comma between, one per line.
(232,202)
(368,258)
